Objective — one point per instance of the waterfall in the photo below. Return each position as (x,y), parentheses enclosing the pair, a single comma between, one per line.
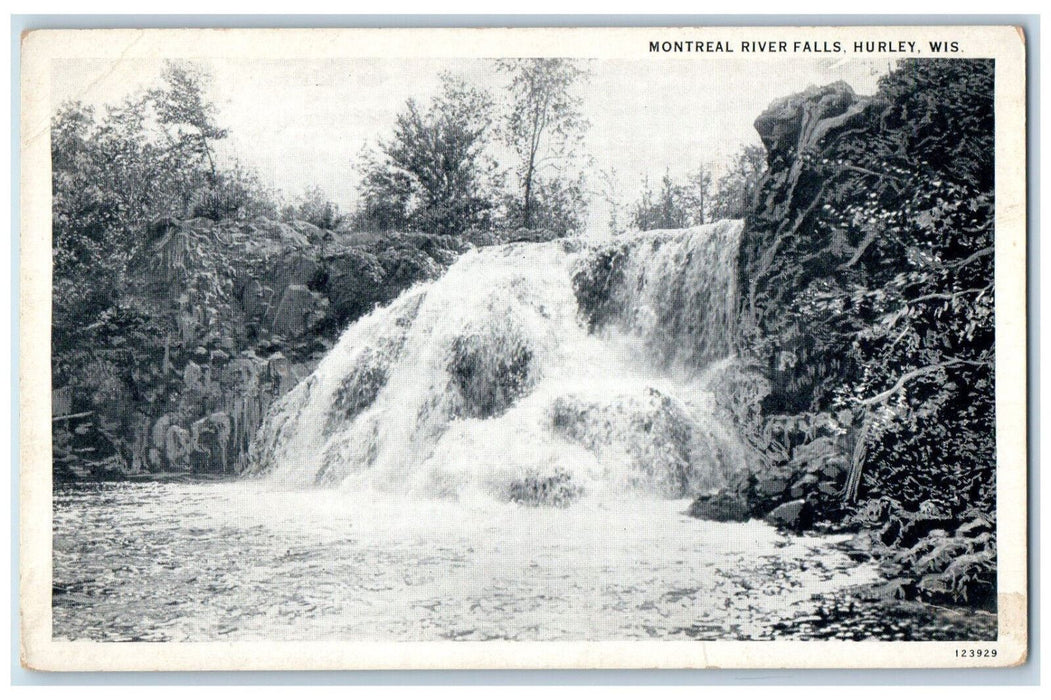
(674,290)
(533,372)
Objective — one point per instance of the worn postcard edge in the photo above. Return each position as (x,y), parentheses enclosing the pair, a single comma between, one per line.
(39,651)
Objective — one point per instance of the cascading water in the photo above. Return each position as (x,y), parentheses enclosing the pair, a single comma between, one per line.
(674,290)
(529,372)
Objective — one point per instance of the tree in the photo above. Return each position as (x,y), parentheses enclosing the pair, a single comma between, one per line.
(697,195)
(545,128)
(562,205)
(668,208)
(435,174)
(146,158)
(237,192)
(736,189)
(677,204)
(610,194)
(187,116)
(119,175)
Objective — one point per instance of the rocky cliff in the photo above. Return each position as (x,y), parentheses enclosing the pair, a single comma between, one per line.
(866,325)
(217,320)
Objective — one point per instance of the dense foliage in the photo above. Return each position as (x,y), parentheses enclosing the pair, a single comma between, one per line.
(182,306)
(868,286)
(471,161)
(435,173)
(314,207)
(116,173)
(116,178)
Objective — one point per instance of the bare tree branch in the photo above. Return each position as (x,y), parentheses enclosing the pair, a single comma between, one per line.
(915,374)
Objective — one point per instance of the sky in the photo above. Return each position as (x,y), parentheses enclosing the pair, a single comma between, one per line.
(304,123)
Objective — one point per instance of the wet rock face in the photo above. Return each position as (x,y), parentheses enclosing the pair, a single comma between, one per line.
(360,388)
(675,290)
(490,373)
(669,451)
(595,281)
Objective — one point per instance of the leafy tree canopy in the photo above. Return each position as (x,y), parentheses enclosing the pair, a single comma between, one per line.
(435,173)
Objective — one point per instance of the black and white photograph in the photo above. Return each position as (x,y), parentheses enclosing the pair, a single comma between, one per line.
(660,335)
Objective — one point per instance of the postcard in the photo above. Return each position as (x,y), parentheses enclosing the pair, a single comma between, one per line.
(683,347)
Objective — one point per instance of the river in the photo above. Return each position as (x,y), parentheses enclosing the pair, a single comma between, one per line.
(242,561)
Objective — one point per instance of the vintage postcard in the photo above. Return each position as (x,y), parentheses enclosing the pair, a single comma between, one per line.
(687,347)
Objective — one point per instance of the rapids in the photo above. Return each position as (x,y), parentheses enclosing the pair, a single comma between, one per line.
(535,373)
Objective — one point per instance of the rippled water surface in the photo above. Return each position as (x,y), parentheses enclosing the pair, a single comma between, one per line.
(241,561)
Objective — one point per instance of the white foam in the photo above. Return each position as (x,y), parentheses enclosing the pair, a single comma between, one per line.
(488,378)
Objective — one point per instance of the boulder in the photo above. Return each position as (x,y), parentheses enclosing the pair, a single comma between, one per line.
(177,446)
(899,588)
(314,234)
(771,485)
(160,431)
(292,266)
(720,507)
(255,299)
(795,123)
(557,489)
(934,587)
(829,489)
(794,515)
(193,376)
(355,282)
(836,468)
(279,233)
(975,527)
(804,486)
